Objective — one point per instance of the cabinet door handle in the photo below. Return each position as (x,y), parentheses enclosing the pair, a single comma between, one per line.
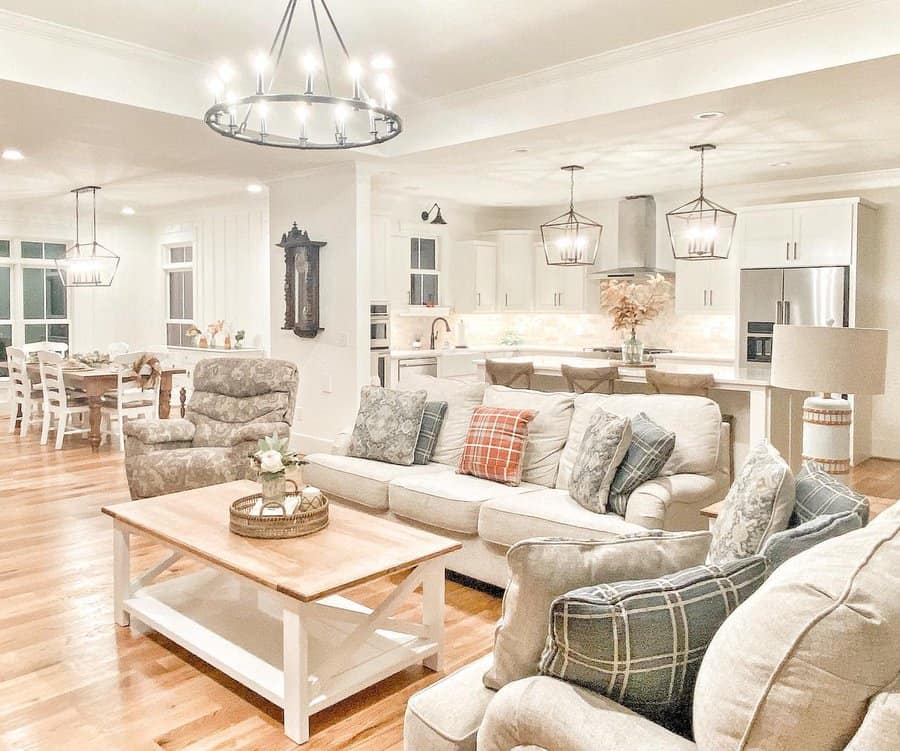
(787,251)
(478,298)
(506,299)
(705,294)
(795,250)
(779,312)
(710,298)
(787,311)
(559,295)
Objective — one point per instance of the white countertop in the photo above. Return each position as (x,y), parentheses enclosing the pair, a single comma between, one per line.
(549,349)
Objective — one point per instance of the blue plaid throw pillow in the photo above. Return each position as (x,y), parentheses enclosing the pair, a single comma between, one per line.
(820,494)
(641,642)
(650,448)
(432,419)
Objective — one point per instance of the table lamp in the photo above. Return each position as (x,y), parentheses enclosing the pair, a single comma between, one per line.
(831,361)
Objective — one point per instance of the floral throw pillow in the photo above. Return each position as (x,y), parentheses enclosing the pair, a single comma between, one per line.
(387,425)
(602,450)
(495,444)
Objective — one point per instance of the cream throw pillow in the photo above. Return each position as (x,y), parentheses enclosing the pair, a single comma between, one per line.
(542,569)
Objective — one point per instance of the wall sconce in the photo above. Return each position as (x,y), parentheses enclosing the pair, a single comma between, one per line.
(438,219)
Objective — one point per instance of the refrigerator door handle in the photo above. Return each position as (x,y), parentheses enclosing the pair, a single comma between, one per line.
(787,251)
(779,312)
(787,311)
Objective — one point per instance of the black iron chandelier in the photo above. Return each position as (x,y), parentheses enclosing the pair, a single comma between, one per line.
(307,119)
(87,264)
(571,239)
(701,229)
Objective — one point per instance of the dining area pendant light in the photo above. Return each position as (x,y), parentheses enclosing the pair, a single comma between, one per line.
(88,263)
(701,229)
(312,113)
(571,239)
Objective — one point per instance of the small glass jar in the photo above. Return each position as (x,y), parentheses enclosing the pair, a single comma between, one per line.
(633,350)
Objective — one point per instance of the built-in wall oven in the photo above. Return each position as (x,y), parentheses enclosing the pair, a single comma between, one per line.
(379,326)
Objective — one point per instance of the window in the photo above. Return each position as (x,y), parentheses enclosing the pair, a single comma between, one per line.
(5,307)
(424,276)
(44,306)
(43,251)
(179,269)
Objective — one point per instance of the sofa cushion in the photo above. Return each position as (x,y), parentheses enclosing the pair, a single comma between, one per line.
(696,422)
(818,494)
(649,450)
(446,715)
(547,433)
(759,504)
(495,444)
(641,642)
(879,726)
(603,448)
(447,500)
(541,569)
(462,399)
(547,512)
(360,480)
(432,419)
(792,541)
(799,664)
(387,425)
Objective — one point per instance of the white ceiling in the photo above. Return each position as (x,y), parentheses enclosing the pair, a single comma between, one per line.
(438,47)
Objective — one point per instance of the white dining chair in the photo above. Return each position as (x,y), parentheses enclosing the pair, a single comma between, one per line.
(61,348)
(129,400)
(23,394)
(58,402)
(114,349)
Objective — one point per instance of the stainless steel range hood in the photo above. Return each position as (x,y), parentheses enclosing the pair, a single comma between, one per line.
(636,253)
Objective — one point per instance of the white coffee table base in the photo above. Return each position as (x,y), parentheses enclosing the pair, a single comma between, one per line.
(303,657)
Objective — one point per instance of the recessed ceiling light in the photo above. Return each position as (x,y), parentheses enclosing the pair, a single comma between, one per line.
(711,115)
(254,188)
(12,155)
(520,150)
(127,211)
(779,164)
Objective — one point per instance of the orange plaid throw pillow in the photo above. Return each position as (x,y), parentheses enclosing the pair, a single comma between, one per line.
(495,444)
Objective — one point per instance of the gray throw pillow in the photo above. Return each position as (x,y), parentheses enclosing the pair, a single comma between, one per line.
(649,450)
(602,450)
(641,642)
(795,540)
(387,425)
(820,494)
(432,419)
(758,505)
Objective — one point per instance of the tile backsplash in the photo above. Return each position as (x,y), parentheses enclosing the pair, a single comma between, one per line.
(701,334)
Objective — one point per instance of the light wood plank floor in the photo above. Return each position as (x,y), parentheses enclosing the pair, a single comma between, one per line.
(71,679)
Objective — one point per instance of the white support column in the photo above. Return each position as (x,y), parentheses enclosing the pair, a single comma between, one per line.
(433,610)
(296,676)
(121,572)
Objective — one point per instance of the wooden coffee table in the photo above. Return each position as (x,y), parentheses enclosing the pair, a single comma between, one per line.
(269,613)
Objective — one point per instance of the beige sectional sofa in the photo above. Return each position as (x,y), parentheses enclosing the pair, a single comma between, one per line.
(488,517)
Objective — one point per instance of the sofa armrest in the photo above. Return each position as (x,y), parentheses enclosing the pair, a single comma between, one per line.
(674,502)
(581,720)
(152,431)
(341,444)
(254,431)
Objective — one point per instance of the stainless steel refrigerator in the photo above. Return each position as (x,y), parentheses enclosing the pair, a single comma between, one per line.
(799,296)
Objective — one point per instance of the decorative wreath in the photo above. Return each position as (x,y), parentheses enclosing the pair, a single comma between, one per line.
(148,370)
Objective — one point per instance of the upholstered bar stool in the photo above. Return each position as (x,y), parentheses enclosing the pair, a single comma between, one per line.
(515,375)
(590,380)
(691,384)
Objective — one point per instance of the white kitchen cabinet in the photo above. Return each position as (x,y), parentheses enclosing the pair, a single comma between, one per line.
(705,286)
(515,270)
(557,288)
(814,233)
(415,271)
(474,277)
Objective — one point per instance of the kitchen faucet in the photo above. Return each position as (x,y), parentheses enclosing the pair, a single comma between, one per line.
(433,333)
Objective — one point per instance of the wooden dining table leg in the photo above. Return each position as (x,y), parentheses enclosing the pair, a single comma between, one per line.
(95,395)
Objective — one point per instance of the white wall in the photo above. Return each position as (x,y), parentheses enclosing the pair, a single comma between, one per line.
(333,205)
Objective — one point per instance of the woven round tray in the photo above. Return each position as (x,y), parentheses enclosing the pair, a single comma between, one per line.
(304,521)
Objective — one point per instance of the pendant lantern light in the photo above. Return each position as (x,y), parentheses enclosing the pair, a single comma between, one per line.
(87,264)
(571,239)
(701,229)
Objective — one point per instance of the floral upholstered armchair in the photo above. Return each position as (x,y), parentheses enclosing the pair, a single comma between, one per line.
(236,401)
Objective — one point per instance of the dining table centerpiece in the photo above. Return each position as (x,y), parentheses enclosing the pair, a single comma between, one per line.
(632,304)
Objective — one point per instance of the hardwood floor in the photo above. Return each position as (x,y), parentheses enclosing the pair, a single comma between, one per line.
(71,679)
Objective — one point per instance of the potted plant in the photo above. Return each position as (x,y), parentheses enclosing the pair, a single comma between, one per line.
(632,304)
(239,337)
(193,333)
(272,458)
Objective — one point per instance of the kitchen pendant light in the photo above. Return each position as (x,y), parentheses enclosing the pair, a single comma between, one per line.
(87,264)
(571,239)
(306,119)
(701,229)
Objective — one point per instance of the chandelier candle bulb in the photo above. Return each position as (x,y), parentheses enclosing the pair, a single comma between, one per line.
(355,70)
(310,65)
(260,62)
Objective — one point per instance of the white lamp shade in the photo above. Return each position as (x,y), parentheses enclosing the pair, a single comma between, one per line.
(833,360)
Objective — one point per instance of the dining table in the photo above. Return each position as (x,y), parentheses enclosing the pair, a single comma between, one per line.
(96,381)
